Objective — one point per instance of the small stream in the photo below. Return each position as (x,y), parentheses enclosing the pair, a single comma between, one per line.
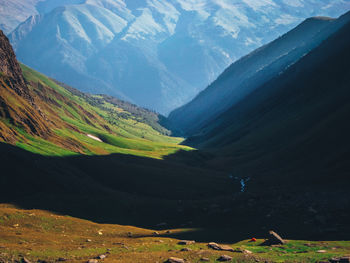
(242,181)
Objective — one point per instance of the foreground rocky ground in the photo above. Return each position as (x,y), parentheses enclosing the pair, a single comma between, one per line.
(41,236)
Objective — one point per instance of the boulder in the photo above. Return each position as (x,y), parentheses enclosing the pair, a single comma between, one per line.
(101,256)
(186,242)
(175,260)
(186,249)
(205,259)
(216,246)
(273,239)
(92,261)
(224,258)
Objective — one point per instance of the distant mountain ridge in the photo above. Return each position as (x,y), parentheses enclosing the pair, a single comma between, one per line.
(252,71)
(157,54)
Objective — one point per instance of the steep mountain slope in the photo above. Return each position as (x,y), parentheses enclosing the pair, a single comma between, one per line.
(17,104)
(253,70)
(178,47)
(293,128)
(48,117)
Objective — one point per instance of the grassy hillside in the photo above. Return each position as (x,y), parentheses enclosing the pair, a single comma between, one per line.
(40,235)
(70,116)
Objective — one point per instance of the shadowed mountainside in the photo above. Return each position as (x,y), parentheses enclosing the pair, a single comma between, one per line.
(252,71)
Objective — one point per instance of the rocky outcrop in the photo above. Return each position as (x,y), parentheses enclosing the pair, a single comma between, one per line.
(273,239)
(175,260)
(216,246)
(17,105)
(10,68)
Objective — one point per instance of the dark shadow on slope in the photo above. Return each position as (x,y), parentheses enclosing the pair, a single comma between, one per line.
(181,191)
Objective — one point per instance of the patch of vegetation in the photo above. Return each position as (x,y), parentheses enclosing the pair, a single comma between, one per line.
(72,116)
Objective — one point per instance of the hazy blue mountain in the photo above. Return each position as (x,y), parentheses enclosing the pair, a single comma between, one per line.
(252,71)
(157,54)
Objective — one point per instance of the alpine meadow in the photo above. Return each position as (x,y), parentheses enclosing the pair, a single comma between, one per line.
(174,131)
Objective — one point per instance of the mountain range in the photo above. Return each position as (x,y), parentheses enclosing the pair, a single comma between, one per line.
(275,153)
(178,47)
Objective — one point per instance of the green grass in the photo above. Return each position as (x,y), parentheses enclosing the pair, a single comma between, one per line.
(75,115)
(41,235)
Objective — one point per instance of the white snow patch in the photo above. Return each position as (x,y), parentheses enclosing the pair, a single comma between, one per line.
(294,3)
(258,4)
(143,26)
(286,19)
(230,18)
(199,6)
(170,13)
(94,137)
(249,41)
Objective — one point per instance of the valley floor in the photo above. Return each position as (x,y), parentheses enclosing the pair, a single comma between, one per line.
(42,236)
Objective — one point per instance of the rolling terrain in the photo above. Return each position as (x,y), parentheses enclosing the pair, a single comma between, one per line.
(63,238)
(100,173)
(47,117)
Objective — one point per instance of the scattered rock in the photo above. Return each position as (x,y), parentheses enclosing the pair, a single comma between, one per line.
(129,234)
(118,243)
(246,251)
(92,261)
(321,251)
(204,259)
(156,233)
(224,258)
(175,260)
(185,249)
(273,239)
(88,240)
(186,242)
(101,256)
(168,232)
(216,246)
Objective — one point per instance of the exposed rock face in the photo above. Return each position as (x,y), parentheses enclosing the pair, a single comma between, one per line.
(186,242)
(10,67)
(224,258)
(17,105)
(273,239)
(175,260)
(216,246)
